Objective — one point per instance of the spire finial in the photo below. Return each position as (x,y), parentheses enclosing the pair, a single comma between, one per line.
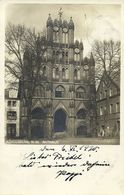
(60,12)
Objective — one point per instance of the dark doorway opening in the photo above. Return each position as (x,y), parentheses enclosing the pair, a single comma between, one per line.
(59,121)
(81,114)
(37,123)
(38,113)
(37,131)
(82,130)
(11,130)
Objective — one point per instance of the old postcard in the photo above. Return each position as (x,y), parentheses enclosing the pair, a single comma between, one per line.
(61,80)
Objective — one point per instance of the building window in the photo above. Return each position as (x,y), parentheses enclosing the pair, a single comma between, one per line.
(63,37)
(67,74)
(45,55)
(76,57)
(14,103)
(105,93)
(78,74)
(54,72)
(44,71)
(55,37)
(80,92)
(63,73)
(105,109)
(11,115)
(110,92)
(63,57)
(100,95)
(9,103)
(75,74)
(101,110)
(117,107)
(11,130)
(39,91)
(111,108)
(66,57)
(57,57)
(57,73)
(59,92)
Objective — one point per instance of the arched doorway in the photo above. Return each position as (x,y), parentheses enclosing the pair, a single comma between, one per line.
(37,123)
(59,121)
(81,114)
(82,130)
(38,113)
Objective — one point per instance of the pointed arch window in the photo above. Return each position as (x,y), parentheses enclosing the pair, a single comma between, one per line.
(67,73)
(54,73)
(45,55)
(76,57)
(57,73)
(57,57)
(39,91)
(78,74)
(44,71)
(75,74)
(66,57)
(63,73)
(57,37)
(80,92)
(64,38)
(59,91)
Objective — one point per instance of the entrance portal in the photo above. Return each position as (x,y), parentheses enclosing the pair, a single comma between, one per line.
(59,121)
(37,123)
(37,131)
(82,130)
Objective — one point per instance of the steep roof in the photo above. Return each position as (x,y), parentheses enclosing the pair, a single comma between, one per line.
(115,80)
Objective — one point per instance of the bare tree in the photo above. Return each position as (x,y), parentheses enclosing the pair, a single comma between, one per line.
(25,51)
(107,59)
(107,70)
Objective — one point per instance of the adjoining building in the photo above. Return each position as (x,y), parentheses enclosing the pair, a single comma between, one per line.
(108,107)
(12,114)
(65,105)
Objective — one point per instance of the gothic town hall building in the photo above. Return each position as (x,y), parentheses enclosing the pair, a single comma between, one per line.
(64,106)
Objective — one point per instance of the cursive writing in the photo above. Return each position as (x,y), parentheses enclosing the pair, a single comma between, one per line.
(65,160)
(68,175)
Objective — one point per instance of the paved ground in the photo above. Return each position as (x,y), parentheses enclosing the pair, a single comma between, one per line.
(82,141)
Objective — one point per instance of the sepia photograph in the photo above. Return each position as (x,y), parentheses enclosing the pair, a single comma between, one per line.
(61,97)
(62,73)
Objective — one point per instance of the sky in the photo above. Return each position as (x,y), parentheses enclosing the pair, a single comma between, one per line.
(91,21)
